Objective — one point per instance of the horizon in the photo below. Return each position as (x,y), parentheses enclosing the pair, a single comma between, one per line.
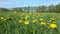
(25,3)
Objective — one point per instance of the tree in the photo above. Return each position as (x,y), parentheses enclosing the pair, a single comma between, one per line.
(57,10)
(41,8)
(38,8)
(51,8)
(17,9)
(4,10)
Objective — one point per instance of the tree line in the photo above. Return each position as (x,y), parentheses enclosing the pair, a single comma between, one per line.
(42,9)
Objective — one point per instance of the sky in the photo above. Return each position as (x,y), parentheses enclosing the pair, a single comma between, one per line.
(23,3)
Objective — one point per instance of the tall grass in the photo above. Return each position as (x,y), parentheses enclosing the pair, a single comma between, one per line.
(9,23)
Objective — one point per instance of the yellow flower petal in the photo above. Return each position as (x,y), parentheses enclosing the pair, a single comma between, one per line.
(41,19)
(27,22)
(52,18)
(2,18)
(33,21)
(20,20)
(53,25)
(43,23)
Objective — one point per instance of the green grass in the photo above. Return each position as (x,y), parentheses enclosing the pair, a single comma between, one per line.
(12,25)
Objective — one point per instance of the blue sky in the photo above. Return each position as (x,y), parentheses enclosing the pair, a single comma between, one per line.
(22,3)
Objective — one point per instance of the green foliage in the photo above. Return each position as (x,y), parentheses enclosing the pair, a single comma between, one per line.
(41,9)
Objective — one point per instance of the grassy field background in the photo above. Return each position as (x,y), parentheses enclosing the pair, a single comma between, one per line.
(29,23)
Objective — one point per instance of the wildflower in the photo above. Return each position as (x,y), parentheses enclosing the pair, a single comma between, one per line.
(43,23)
(26,18)
(53,25)
(52,19)
(26,22)
(20,20)
(33,21)
(41,19)
(2,18)
(7,17)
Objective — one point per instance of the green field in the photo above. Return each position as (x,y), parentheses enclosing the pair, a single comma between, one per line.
(29,23)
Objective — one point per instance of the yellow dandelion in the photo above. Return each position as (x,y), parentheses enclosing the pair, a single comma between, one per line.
(43,23)
(2,18)
(41,19)
(20,20)
(26,17)
(7,17)
(53,25)
(26,22)
(33,21)
(52,19)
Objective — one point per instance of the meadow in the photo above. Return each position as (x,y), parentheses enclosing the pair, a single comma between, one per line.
(29,23)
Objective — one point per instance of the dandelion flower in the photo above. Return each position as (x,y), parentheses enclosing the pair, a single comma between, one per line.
(53,25)
(7,17)
(26,18)
(33,21)
(52,19)
(20,20)
(26,22)
(2,18)
(41,19)
(43,23)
